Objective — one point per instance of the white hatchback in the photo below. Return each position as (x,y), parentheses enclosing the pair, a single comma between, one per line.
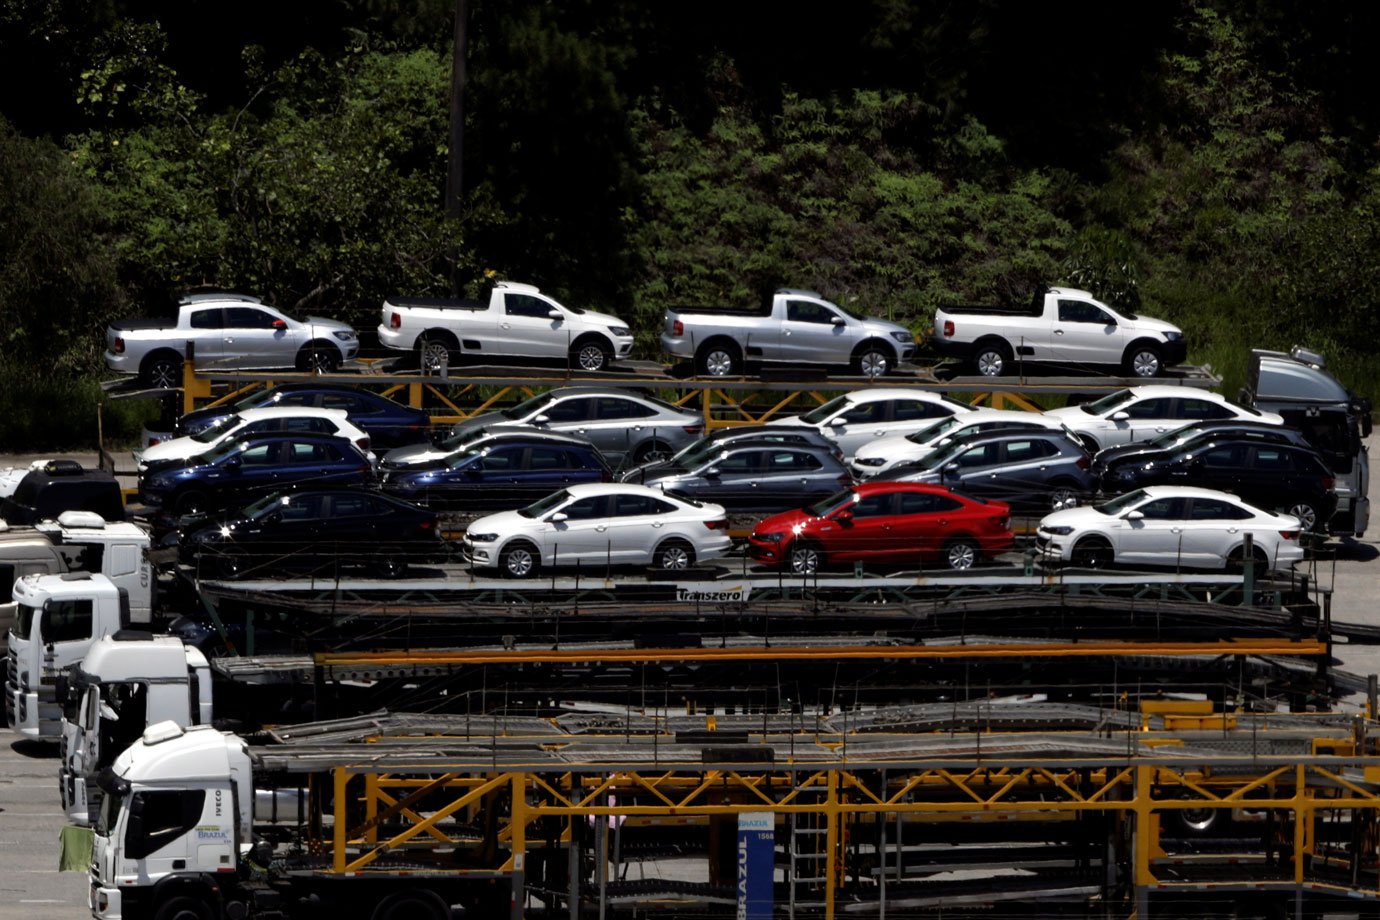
(1170,526)
(267,420)
(599,524)
(1141,413)
(854,419)
(884,454)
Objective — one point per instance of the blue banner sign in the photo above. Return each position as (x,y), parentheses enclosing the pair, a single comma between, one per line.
(756,864)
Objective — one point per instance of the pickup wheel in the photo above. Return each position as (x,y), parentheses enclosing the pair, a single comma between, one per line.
(162,370)
(992,358)
(1143,360)
(318,359)
(874,360)
(719,359)
(591,355)
(433,352)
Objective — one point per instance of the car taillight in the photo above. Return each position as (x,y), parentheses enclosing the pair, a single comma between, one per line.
(1329,483)
(363,442)
(119,347)
(692,429)
(1083,462)
(153,441)
(677,328)
(948,328)
(720,524)
(395,321)
(1290,534)
(427,525)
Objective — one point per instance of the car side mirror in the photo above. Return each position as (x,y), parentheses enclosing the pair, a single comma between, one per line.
(951,468)
(234,463)
(1121,416)
(279,324)
(1133,516)
(557,315)
(839,321)
(712,472)
(541,419)
(844,517)
(276,517)
(557,518)
(838,421)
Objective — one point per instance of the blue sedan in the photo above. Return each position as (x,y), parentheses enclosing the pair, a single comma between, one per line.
(389,424)
(507,471)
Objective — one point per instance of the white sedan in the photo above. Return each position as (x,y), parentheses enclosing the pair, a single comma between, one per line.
(854,419)
(1141,413)
(883,454)
(267,420)
(598,524)
(1170,526)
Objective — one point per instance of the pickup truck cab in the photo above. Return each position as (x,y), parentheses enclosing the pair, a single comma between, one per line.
(517,321)
(791,327)
(1060,326)
(228,331)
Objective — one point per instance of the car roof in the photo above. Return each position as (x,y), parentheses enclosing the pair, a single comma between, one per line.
(1163,389)
(260,436)
(877,394)
(1008,434)
(262,412)
(1191,492)
(894,485)
(767,443)
(766,430)
(587,489)
(597,391)
(531,437)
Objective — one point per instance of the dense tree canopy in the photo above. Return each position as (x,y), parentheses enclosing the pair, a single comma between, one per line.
(1215,163)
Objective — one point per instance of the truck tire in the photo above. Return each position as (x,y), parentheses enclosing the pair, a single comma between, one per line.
(992,358)
(1143,359)
(183,908)
(874,360)
(591,354)
(318,358)
(412,905)
(162,370)
(434,349)
(719,359)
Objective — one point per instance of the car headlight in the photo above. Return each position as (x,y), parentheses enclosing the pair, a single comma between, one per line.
(1173,336)
(619,330)
(481,537)
(868,461)
(903,337)
(1060,531)
(344,335)
(769,537)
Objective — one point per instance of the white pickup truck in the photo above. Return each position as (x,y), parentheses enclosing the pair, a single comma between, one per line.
(791,327)
(227,331)
(1060,327)
(517,321)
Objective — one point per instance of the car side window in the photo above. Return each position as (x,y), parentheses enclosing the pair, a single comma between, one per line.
(248,318)
(806,311)
(260,454)
(611,407)
(210,318)
(316,425)
(301,508)
(872,506)
(1228,456)
(568,410)
(508,458)
(1201,409)
(916,503)
(791,460)
(268,424)
(1272,459)
(744,461)
(351,404)
(632,505)
(661,507)
(1023,451)
(984,455)
(352,506)
(525,305)
(904,410)
(1214,509)
(314,453)
(1080,311)
(1163,509)
(866,413)
(586,509)
(547,458)
(1150,408)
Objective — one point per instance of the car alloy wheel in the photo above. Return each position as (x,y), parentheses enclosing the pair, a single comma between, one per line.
(163,373)
(592,357)
(1092,553)
(1145,363)
(961,554)
(1063,497)
(991,362)
(435,353)
(1306,513)
(806,559)
(719,361)
(519,561)
(873,363)
(675,555)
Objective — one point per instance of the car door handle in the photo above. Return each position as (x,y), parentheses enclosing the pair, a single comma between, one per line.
(1176,530)
(505,326)
(1233,530)
(1058,332)
(601,527)
(656,524)
(943,522)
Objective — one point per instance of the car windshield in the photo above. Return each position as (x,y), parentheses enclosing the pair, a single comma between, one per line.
(1176,437)
(1107,403)
(946,453)
(815,416)
(216,430)
(455,461)
(1121,503)
(461,438)
(938,429)
(217,454)
(265,506)
(529,407)
(537,509)
(832,503)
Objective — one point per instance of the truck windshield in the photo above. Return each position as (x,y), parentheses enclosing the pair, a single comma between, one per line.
(1108,403)
(23,621)
(110,811)
(214,431)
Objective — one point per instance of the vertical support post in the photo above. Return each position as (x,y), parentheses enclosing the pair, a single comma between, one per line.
(831,842)
(338,809)
(573,856)
(601,861)
(1372,695)
(371,805)
(519,837)
(1143,842)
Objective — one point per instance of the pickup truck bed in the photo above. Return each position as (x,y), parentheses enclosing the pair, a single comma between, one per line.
(972,309)
(758,310)
(131,325)
(437,303)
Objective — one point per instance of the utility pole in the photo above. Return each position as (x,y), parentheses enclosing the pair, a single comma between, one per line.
(455,168)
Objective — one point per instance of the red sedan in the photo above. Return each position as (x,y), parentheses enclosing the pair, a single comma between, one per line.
(884,522)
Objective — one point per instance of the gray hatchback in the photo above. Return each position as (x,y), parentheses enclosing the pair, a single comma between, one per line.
(627,427)
(758,476)
(1033,471)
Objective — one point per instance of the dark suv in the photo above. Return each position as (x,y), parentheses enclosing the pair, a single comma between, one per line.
(1033,471)
(1284,477)
(1110,459)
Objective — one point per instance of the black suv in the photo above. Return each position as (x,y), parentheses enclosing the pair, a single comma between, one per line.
(1189,437)
(1286,477)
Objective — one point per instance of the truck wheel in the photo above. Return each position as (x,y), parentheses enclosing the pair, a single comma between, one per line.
(432,353)
(992,359)
(183,908)
(519,560)
(163,371)
(873,361)
(412,905)
(1143,361)
(591,355)
(719,359)
(317,359)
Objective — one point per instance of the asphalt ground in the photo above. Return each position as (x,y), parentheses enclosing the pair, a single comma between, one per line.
(31,888)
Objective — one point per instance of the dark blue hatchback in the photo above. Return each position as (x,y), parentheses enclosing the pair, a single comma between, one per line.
(388,423)
(243,470)
(501,473)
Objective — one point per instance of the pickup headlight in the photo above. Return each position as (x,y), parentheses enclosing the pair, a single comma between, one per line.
(906,337)
(344,335)
(619,330)
(1062,531)
(1173,336)
(481,537)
